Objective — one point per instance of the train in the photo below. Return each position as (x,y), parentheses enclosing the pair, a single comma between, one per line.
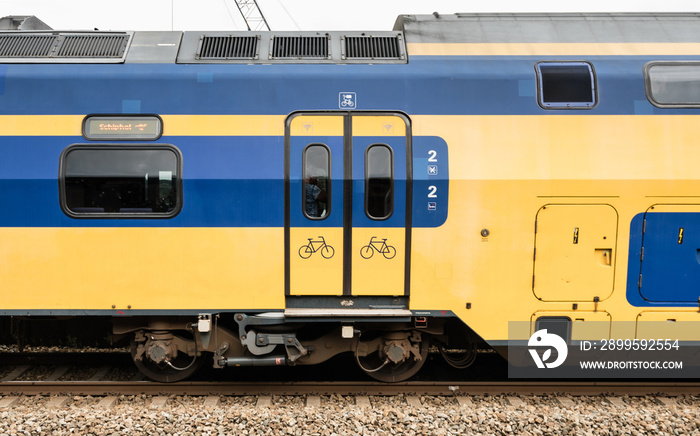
(267,198)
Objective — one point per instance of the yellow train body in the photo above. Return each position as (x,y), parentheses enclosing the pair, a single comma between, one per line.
(536,209)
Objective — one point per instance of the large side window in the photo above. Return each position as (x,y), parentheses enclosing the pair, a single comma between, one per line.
(379,181)
(115,181)
(316,187)
(673,84)
(566,85)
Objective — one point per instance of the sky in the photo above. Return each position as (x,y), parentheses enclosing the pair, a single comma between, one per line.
(290,15)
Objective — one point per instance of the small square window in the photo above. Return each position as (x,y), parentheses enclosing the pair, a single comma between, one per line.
(566,85)
(673,84)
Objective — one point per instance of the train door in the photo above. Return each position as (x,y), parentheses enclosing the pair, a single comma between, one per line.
(347,214)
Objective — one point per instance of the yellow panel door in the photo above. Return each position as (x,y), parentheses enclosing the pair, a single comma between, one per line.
(575,252)
(347,206)
(380,211)
(314,183)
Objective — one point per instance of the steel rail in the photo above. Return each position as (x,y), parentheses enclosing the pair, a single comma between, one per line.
(578,388)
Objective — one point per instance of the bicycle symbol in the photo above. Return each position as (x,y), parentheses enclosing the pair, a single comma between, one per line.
(305,251)
(347,100)
(380,246)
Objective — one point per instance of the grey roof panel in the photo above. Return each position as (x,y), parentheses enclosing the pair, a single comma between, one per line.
(154,47)
(550,28)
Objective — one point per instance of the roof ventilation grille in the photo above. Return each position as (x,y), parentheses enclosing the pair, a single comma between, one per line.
(21,46)
(92,46)
(300,47)
(228,47)
(373,47)
(59,47)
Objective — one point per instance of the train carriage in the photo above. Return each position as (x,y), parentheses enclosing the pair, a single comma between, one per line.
(274,198)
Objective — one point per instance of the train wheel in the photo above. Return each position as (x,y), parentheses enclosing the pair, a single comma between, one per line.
(166,368)
(398,358)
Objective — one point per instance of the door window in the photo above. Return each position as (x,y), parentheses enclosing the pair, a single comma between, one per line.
(316,188)
(379,182)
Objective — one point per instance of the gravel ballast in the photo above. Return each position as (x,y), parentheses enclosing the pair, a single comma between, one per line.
(339,415)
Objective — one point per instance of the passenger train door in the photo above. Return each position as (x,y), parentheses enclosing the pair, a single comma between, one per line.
(347,207)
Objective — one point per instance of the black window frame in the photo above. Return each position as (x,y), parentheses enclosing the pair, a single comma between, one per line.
(648,84)
(120,215)
(328,183)
(566,105)
(117,136)
(392,182)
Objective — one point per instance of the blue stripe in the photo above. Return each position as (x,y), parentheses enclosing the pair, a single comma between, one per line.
(227,182)
(427,85)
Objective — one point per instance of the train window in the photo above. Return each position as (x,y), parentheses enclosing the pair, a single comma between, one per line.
(111,181)
(566,85)
(379,181)
(673,84)
(122,127)
(316,186)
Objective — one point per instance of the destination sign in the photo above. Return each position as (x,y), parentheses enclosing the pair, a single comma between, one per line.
(120,127)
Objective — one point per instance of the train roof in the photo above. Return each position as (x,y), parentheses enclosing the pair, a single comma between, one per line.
(37,44)
(551,28)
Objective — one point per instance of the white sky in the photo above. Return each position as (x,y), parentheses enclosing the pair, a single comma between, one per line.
(294,14)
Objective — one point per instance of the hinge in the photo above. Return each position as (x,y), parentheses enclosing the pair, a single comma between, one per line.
(641,258)
(639,283)
(534,254)
(644,226)
(533,281)
(535,226)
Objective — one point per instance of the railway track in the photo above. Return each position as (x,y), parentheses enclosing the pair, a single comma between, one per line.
(63,394)
(102,374)
(457,388)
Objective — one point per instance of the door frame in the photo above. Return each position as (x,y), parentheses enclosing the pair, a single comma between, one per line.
(347,193)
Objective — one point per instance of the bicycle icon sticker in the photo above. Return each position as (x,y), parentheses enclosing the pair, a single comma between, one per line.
(305,251)
(378,245)
(347,100)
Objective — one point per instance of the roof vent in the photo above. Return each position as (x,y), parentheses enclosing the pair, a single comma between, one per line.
(373,47)
(292,48)
(228,47)
(92,46)
(22,46)
(300,47)
(63,47)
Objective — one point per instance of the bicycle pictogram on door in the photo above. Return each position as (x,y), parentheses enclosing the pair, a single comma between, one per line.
(305,251)
(380,246)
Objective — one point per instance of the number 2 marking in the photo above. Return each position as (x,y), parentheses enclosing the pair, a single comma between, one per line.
(433,191)
(433,156)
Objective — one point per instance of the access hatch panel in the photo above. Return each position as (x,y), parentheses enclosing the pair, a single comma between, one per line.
(574,256)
